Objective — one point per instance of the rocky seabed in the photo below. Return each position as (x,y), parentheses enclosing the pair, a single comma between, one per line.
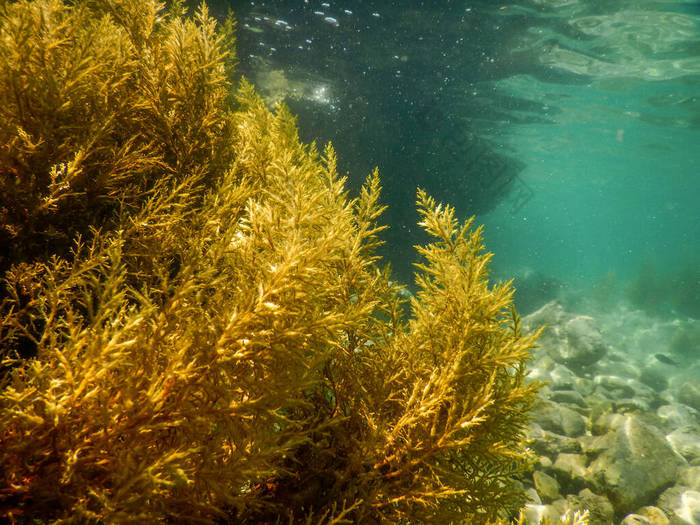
(616,429)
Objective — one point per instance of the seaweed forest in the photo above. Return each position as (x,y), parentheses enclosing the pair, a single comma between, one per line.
(195,326)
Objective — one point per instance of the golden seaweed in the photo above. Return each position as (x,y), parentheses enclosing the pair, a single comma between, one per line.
(213,336)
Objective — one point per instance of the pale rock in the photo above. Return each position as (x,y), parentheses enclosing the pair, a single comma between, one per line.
(654,515)
(558,418)
(572,397)
(690,477)
(570,469)
(689,394)
(531,496)
(604,423)
(686,442)
(601,511)
(572,340)
(634,463)
(584,386)
(635,519)
(584,344)
(627,392)
(550,314)
(534,514)
(561,378)
(617,364)
(654,378)
(539,373)
(544,462)
(677,415)
(632,404)
(547,487)
(549,444)
(681,504)
(614,387)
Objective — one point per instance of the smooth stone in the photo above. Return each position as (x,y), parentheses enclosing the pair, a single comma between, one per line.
(632,405)
(681,504)
(531,496)
(614,387)
(570,469)
(547,487)
(572,340)
(654,514)
(686,442)
(689,394)
(606,422)
(584,386)
(568,396)
(550,444)
(544,462)
(539,373)
(550,314)
(616,367)
(654,378)
(535,514)
(677,415)
(635,519)
(558,418)
(627,390)
(561,378)
(584,343)
(601,511)
(634,463)
(690,477)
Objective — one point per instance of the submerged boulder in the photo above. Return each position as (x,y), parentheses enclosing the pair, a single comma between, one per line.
(571,340)
(634,463)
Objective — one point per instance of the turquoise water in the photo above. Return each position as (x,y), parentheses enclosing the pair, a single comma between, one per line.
(570,128)
(613,188)
(614,161)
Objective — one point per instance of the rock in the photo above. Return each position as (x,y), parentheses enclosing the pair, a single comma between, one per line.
(547,487)
(654,378)
(686,442)
(654,515)
(600,510)
(571,340)
(627,392)
(635,519)
(632,405)
(561,378)
(677,415)
(690,477)
(558,418)
(584,344)
(550,444)
(606,422)
(534,514)
(614,387)
(689,394)
(619,365)
(544,462)
(551,314)
(531,496)
(568,396)
(584,386)
(570,469)
(681,504)
(634,463)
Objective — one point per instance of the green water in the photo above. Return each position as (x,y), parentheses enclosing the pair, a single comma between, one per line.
(615,160)
(589,112)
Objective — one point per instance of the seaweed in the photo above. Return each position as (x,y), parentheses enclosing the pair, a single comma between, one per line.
(214,337)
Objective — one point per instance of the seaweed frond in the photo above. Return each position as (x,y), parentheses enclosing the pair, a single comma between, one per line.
(196,326)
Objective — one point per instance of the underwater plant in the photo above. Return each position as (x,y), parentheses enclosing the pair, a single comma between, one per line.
(214,338)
